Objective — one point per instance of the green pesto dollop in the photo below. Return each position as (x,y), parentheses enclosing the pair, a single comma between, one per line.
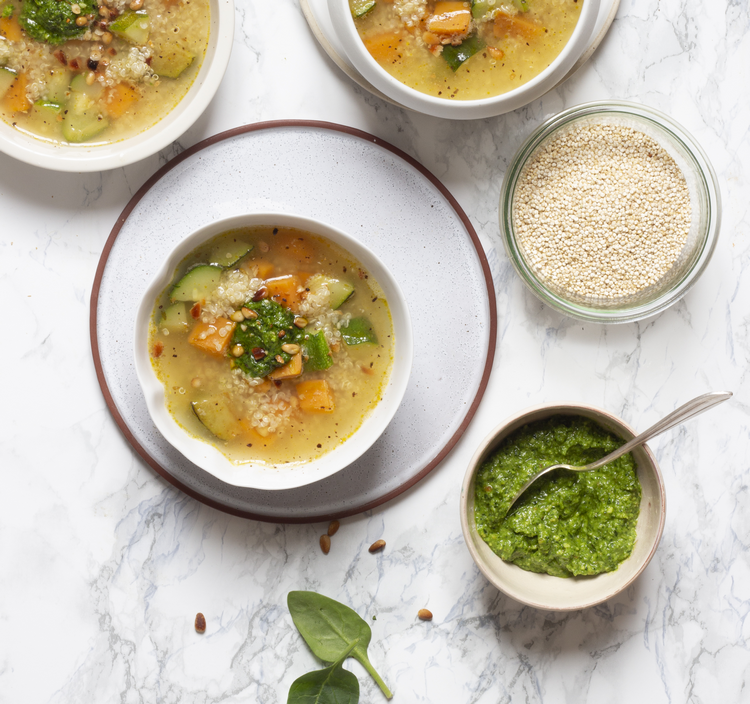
(263,334)
(567,524)
(53,21)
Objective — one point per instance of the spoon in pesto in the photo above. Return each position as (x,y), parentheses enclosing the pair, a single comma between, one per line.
(683,413)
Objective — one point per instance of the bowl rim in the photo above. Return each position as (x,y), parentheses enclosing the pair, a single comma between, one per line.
(56,156)
(513,423)
(659,121)
(413,99)
(204,454)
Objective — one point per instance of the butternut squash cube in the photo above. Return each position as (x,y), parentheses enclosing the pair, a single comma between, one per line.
(285,290)
(450,18)
(292,369)
(315,396)
(212,338)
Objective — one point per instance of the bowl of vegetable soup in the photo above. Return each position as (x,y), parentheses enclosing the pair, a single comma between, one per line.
(464,60)
(90,85)
(273,350)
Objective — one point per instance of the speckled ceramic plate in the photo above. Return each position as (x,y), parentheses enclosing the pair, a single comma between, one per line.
(319,20)
(372,191)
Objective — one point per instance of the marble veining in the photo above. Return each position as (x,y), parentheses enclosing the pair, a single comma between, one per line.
(104,564)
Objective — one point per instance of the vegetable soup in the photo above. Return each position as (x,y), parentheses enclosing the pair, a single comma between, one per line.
(273,344)
(97,71)
(465,50)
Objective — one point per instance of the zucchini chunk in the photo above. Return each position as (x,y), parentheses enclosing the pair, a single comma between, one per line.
(340,291)
(229,255)
(359,332)
(214,413)
(133,27)
(196,284)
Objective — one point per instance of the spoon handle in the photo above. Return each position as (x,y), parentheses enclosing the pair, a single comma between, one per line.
(680,415)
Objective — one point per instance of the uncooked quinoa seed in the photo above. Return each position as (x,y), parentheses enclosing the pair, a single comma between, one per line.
(601,211)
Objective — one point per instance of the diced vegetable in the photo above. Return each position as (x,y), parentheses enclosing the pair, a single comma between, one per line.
(359,8)
(7,76)
(515,25)
(83,120)
(257,268)
(197,283)
(315,396)
(317,353)
(456,55)
(212,338)
(170,59)
(358,332)
(15,96)
(385,48)
(285,290)
(119,98)
(79,85)
(133,27)
(450,18)
(175,318)
(479,8)
(295,246)
(229,254)
(341,291)
(218,417)
(45,115)
(10,28)
(58,85)
(291,370)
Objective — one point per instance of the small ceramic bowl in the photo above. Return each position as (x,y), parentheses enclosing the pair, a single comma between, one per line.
(555,593)
(82,158)
(258,475)
(346,32)
(705,202)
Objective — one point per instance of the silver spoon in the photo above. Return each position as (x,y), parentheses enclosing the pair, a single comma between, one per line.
(690,409)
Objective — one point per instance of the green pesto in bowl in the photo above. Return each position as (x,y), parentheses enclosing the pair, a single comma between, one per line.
(567,524)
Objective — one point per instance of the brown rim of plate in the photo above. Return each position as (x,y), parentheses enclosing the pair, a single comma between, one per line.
(272,124)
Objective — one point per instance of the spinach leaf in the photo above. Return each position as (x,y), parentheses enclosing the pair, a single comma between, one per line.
(456,55)
(330,628)
(332,685)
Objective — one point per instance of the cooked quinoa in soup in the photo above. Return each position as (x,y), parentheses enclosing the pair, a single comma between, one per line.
(465,50)
(97,71)
(273,344)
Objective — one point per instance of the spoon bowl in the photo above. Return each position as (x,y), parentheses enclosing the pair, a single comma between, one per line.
(686,411)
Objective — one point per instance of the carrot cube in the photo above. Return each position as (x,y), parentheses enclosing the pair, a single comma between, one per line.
(315,396)
(212,338)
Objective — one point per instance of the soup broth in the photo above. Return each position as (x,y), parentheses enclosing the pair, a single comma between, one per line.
(118,74)
(465,50)
(273,344)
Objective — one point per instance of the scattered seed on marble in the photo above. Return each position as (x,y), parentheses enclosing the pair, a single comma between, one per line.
(377,545)
(200,623)
(333,527)
(425,615)
(601,210)
(325,543)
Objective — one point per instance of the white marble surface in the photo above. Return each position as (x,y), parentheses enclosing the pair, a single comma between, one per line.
(104,564)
